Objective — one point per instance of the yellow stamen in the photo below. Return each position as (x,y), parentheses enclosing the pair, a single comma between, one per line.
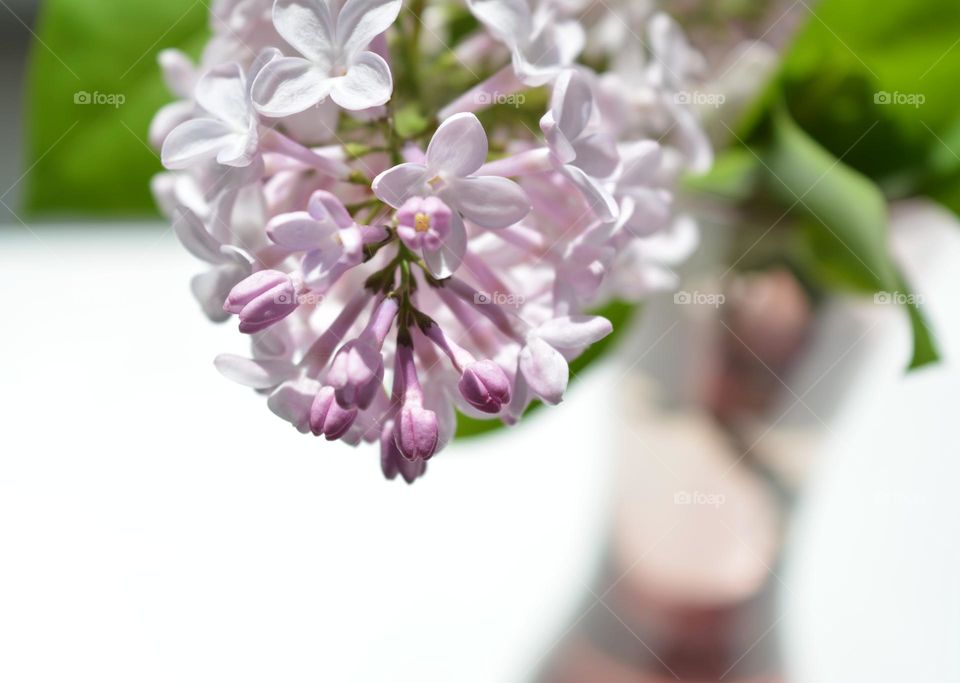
(421,222)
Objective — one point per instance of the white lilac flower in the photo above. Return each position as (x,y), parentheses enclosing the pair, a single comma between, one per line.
(335,61)
(584,155)
(385,287)
(456,152)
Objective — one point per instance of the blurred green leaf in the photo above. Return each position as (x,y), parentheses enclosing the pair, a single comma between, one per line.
(875,83)
(409,121)
(86,151)
(733,177)
(846,218)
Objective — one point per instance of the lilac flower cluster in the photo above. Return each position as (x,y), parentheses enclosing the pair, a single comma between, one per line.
(388,281)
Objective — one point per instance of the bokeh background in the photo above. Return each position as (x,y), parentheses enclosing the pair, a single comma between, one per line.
(762,490)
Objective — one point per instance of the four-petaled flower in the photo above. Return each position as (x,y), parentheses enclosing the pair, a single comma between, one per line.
(335,63)
(456,152)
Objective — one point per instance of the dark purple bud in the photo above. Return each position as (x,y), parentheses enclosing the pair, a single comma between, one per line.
(485,386)
(264,298)
(392,461)
(328,418)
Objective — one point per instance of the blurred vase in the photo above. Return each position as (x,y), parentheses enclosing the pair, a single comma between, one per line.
(689,584)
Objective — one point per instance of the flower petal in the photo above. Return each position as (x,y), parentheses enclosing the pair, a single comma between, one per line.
(292,401)
(641,163)
(545,370)
(575,332)
(308,26)
(324,206)
(212,288)
(195,237)
(444,261)
(299,231)
(459,147)
(367,83)
(360,21)
(240,150)
(195,140)
(396,185)
(179,72)
(571,105)
(222,91)
(489,201)
(598,198)
(289,86)
(596,155)
(256,374)
(509,20)
(166,119)
(539,62)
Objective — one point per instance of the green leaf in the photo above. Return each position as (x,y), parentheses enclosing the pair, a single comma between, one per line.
(87,153)
(733,177)
(617,312)
(847,218)
(409,121)
(875,83)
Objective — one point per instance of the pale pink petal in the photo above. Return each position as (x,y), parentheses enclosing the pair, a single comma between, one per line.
(396,185)
(367,83)
(509,20)
(459,147)
(598,198)
(168,118)
(570,38)
(360,21)
(308,26)
(641,163)
(324,206)
(179,72)
(211,289)
(223,92)
(596,155)
(571,105)
(489,201)
(195,237)
(539,62)
(256,374)
(289,86)
(574,332)
(300,231)
(545,370)
(195,140)
(240,149)
(444,261)
(292,401)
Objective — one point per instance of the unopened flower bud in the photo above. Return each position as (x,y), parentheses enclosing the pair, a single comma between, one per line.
(485,386)
(264,298)
(328,418)
(418,432)
(392,461)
